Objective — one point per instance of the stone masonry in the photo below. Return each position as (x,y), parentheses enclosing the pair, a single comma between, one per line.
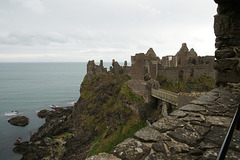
(227,31)
(184,64)
(92,68)
(144,65)
(194,131)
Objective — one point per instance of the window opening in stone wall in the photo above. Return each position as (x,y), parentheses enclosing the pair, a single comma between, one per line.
(179,61)
(191,72)
(146,70)
(180,74)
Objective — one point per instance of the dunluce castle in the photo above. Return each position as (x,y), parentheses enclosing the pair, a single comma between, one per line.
(186,63)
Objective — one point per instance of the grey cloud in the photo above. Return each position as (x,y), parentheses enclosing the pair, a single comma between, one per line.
(31,39)
(110,26)
(33,5)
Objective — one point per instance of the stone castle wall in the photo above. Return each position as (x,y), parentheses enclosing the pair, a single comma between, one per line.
(174,73)
(138,69)
(92,68)
(183,65)
(227,31)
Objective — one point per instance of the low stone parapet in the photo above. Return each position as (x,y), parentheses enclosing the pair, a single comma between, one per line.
(194,131)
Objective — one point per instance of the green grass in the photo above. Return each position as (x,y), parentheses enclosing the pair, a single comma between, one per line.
(106,99)
(130,96)
(64,136)
(122,132)
(201,84)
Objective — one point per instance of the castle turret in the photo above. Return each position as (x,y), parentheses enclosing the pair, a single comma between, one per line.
(101,63)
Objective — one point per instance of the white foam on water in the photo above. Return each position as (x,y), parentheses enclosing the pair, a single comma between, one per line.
(53,105)
(12,113)
(72,102)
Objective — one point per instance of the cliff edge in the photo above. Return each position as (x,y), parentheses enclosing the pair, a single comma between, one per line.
(108,111)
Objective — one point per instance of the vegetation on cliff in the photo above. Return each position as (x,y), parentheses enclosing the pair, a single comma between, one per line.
(102,115)
(106,142)
(201,84)
(101,118)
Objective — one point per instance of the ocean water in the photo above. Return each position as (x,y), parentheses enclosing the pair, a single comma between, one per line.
(30,87)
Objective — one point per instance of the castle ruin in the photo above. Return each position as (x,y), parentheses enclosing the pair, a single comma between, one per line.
(185,64)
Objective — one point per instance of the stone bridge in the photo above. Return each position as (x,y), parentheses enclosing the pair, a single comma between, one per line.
(174,99)
(167,96)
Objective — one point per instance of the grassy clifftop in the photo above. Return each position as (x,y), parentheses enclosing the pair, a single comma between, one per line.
(102,116)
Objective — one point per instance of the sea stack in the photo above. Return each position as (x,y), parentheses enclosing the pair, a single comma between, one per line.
(19,121)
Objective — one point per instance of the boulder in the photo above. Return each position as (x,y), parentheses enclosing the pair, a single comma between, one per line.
(19,121)
(43,113)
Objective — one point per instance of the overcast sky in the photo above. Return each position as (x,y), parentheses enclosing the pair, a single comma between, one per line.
(81,30)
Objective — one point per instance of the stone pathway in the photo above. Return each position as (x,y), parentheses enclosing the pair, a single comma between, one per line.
(194,131)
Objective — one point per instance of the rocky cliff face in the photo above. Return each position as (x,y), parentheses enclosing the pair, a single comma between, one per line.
(105,113)
(49,141)
(103,116)
(97,100)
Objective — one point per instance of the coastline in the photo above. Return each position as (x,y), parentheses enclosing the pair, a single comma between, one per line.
(28,88)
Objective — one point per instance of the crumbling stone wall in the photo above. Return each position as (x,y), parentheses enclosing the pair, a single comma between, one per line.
(227,31)
(144,65)
(126,69)
(186,64)
(184,72)
(184,57)
(183,65)
(116,68)
(92,68)
(138,66)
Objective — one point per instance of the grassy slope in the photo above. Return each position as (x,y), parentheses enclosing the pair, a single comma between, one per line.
(105,112)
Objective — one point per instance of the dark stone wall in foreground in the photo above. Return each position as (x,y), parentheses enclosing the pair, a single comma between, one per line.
(227,31)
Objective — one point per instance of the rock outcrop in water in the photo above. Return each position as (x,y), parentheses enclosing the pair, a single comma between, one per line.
(19,121)
(50,138)
(43,113)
